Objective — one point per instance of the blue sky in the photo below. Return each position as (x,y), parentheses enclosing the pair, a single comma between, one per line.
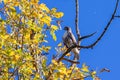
(93,16)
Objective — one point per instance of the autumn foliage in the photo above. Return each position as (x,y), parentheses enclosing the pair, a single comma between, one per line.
(23,27)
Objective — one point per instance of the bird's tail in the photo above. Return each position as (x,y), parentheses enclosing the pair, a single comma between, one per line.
(76,53)
(76,57)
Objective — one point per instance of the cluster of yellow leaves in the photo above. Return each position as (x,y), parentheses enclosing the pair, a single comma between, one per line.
(31,9)
(60,71)
(22,48)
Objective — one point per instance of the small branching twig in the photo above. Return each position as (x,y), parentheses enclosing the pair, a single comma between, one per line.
(72,72)
(87,36)
(47,78)
(104,70)
(71,61)
(117,16)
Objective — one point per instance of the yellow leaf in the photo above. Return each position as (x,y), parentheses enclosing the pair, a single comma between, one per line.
(54,27)
(37,76)
(69,71)
(11,53)
(29,71)
(62,70)
(68,54)
(12,8)
(44,7)
(93,74)
(35,14)
(53,9)
(16,3)
(46,20)
(23,19)
(17,56)
(4,36)
(54,36)
(7,1)
(34,1)
(13,62)
(54,62)
(52,32)
(59,45)
(40,15)
(63,49)
(46,49)
(85,68)
(28,57)
(58,14)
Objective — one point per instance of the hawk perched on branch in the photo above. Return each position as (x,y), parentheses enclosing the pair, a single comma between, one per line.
(69,40)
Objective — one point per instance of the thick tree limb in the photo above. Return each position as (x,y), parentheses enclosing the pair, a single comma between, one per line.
(99,38)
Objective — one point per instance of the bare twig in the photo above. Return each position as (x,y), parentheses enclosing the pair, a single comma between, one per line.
(87,36)
(117,16)
(76,21)
(71,61)
(47,78)
(59,24)
(104,70)
(71,72)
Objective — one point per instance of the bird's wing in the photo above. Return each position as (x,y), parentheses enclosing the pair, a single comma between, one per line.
(72,37)
(65,39)
(68,39)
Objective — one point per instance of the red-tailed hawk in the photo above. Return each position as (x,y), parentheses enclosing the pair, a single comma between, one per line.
(69,40)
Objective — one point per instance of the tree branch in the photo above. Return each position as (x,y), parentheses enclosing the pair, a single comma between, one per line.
(117,16)
(105,29)
(68,50)
(71,61)
(87,36)
(76,21)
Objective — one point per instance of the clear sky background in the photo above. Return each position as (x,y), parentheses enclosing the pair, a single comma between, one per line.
(94,15)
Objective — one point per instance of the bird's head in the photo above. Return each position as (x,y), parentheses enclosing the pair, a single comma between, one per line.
(66,28)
